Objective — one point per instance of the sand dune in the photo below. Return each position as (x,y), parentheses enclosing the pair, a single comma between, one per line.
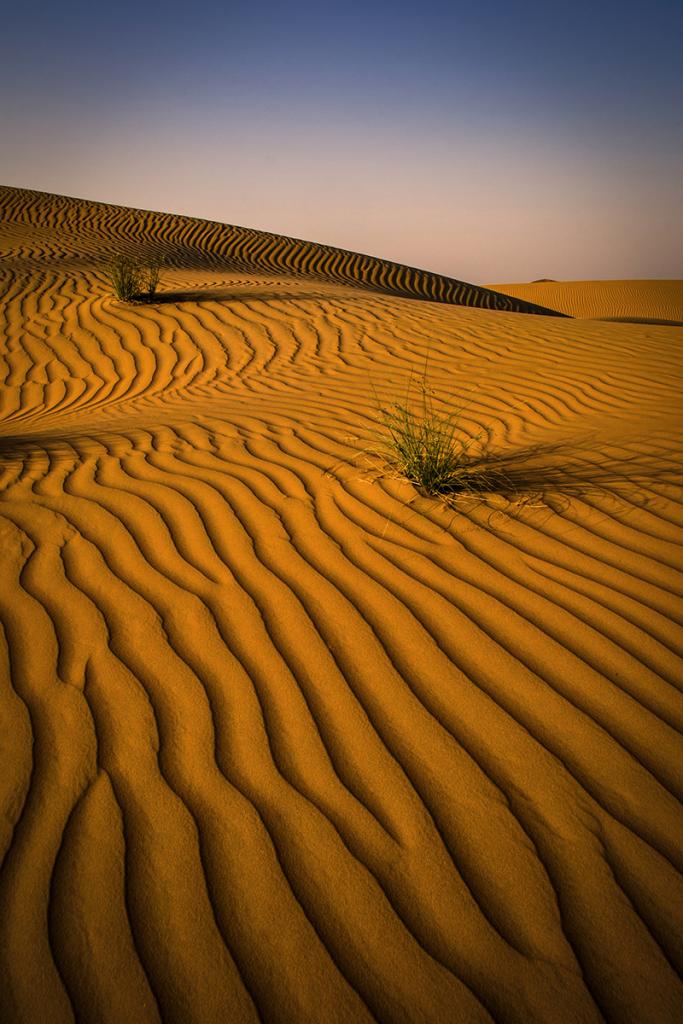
(284,740)
(628,301)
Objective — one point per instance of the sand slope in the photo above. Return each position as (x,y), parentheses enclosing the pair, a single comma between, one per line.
(283,740)
(626,301)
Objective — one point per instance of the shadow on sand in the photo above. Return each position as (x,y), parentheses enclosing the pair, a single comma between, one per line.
(225,295)
(72,446)
(262,292)
(306,290)
(639,320)
(561,470)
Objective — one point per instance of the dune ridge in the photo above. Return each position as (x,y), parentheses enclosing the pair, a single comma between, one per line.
(284,739)
(204,244)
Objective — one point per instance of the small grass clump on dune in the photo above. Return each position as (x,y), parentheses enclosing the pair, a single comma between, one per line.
(153,271)
(432,451)
(125,277)
(428,448)
(132,280)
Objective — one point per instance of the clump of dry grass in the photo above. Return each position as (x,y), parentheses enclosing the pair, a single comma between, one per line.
(152,270)
(133,280)
(125,277)
(433,451)
(430,449)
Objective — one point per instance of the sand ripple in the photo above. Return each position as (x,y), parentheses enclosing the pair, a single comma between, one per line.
(284,740)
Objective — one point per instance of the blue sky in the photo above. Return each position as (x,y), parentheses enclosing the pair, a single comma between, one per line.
(492,142)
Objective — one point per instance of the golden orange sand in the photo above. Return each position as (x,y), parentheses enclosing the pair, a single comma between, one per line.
(284,740)
(626,301)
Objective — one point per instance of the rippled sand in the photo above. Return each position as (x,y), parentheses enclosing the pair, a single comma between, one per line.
(282,739)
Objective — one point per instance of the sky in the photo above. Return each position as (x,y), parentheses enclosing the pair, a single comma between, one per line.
(493,142)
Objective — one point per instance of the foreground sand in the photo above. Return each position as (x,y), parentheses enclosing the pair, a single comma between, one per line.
(283,740)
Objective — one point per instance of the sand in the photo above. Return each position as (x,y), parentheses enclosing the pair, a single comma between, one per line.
(283,739)
(623,301)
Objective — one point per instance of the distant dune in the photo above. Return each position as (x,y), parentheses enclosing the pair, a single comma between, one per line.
(629,301)
(283,739)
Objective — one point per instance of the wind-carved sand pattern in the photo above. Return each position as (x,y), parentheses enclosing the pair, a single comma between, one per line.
(284,740)
(656,302)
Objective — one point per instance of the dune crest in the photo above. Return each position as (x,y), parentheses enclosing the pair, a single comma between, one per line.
(201,244)
(284,740)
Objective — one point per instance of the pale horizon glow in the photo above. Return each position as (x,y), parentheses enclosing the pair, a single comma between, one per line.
(430,138)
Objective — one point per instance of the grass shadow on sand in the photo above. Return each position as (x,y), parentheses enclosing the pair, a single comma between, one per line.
(546,473)
(301,288)
(572,469)
(243,294)
(421,445)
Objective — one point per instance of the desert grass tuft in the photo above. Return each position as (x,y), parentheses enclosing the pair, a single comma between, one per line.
(429,448)
(126,277)
(435,453)
(134,281)
(152,271)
